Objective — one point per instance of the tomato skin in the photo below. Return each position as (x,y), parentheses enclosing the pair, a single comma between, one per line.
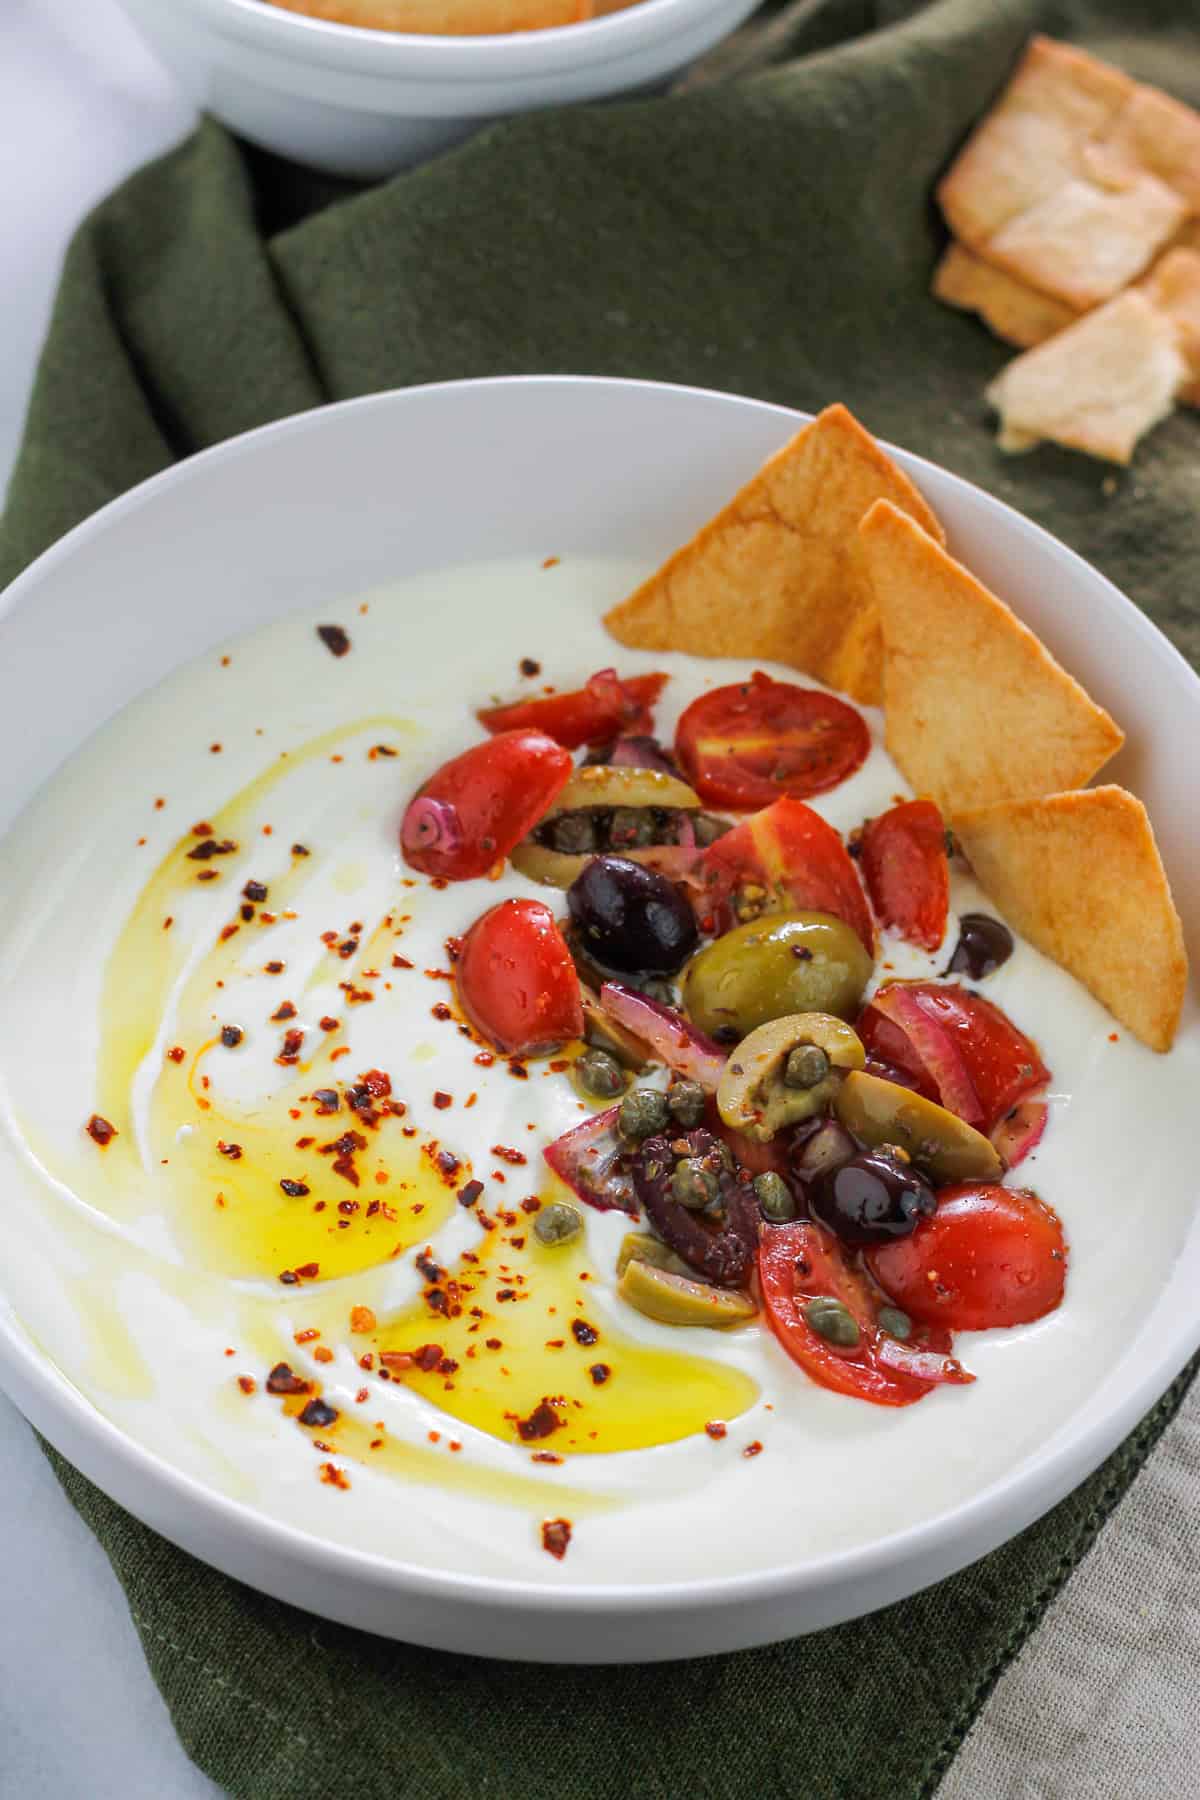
(988,1256)
(1002,1063)
(797,1263)
(605,708)
(799,859)
(906,871)
(745,745)
(516,982)
(478,806)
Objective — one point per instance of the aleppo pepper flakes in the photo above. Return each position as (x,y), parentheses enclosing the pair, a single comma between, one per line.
(332,1476)
(583,1333)
(209,847)
(541,1423)
(101,1131)
(295,1190)
(335,639)
(599,1373)
(362,1319)
(319,1413)
(283,1379)
(231,1036)
(556,1536)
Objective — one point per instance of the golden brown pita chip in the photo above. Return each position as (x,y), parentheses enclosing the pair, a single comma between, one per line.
(1014,311)
(976,709)
(1098,386)
(1080,876)
(444,18)
(1076,178)
(777,573)
(1173,289)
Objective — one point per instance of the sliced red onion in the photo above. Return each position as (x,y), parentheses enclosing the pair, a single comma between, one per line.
(430,825)
(672,1038)
(936,1049)
(586,1158)
(678,862)
(922,1365)
(1020,1131)
(642,753)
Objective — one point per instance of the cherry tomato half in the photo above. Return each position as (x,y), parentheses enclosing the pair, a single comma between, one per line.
(478,806)
(988,1256)
(516,981)
(798,1263)
(1002,1064)
(907,875)
(606,708)
(789,852)
(745,745)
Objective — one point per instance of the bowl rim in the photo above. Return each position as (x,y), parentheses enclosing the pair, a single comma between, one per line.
(1045,1476)
(364,50)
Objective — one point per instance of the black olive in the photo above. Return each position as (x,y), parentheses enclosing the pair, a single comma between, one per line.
(983,944)
(631,919)
(873,1199)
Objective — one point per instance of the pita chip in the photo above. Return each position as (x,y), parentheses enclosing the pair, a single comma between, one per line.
(1080,876)
(1076,178)
(1098,386)
(778,572)
(1173,288)
(976,710)
(1015,311)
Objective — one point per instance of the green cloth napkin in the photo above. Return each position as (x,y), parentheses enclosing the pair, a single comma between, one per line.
(773,236)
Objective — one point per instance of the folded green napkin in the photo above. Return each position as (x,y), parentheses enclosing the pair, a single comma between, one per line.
(772,236)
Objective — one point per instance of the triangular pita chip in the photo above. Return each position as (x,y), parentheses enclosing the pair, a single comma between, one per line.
(1080,876)
(976,709)
(1015,311)
(777,573)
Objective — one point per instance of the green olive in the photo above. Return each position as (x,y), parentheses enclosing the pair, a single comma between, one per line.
(944,1146)
(754,1094)
(679,1300)
(779,964)
(639,1246)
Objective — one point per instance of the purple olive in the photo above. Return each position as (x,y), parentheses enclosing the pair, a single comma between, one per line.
(630,918)
(872,1199)
(723,1256)
(983,944)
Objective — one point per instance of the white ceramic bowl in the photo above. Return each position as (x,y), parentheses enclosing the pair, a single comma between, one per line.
(366,103)
(335,501)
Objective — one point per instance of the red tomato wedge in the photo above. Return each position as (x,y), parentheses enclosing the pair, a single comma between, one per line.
(988,1256)
(516,981)
(792,854)
(907,874)
(479,805)
(798,1263)
(606,708)
(745,745)
(967,1036)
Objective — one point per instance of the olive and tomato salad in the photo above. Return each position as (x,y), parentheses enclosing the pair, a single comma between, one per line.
(800,1139)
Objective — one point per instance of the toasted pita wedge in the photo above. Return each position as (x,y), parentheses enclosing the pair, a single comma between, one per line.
(777,573)
(1077,177)
(1014,311)
(1098,386)
(1080,876)
(976,709)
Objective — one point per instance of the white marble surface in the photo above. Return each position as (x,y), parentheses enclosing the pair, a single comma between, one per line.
(82,104)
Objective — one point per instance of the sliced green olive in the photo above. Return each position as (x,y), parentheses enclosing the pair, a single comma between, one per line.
(639,1246)
(754,1094)
(771,967)
(679,1300)
(618,784)
(603,1033)
(939,1142)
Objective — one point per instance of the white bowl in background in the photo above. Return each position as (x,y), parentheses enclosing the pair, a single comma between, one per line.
(366,103)
(337,500)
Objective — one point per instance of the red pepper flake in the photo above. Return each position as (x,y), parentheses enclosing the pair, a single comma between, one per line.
(168,922)
(292,1041)
(442,1101)
(177,1054)
(347,947)
(231,1036)
(286,1011)
(210,846)
(467,1196)
(531,1204)
(528,666)
(101,1131)
(273,968)
(716,1428)
(255,890)
(599,1373)
(295,1190)
(551,562)
(332,1476)
(209,875)
(517,1069)
(583,1333)
(556,1533)
(322,1355)
(1114,1037)
(494,1343)
(327,1101)
(360,1396)
(378,750)
(362,1319)
(328,1023)
(542,1421)
(319,1413)
(356,996)
(545,1456)
(159,804)
(214,749)
(344,1051)
(300,850)
(754,1449)
(306,1336)
(334,638)
(229,931)
(441,1011)
(247,1383)
(283,1379)
(309,1271)
(515,1157)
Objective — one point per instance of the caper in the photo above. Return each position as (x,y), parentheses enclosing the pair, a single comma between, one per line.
(630,827)
(897,1324)
(774,1197)
(693,1185)
(780,964)
(643,1113)
(558,1223)
(656,989)
(806,1066)
(685,1101)
(573,834)
(833,1321)
(708,828)
(599,1074)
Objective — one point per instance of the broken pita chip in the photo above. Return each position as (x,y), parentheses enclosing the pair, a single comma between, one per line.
(1080,876)
(777,573)
(1015,311)
(1077,177)
(976,710)
(1173,288)
(1098,386)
